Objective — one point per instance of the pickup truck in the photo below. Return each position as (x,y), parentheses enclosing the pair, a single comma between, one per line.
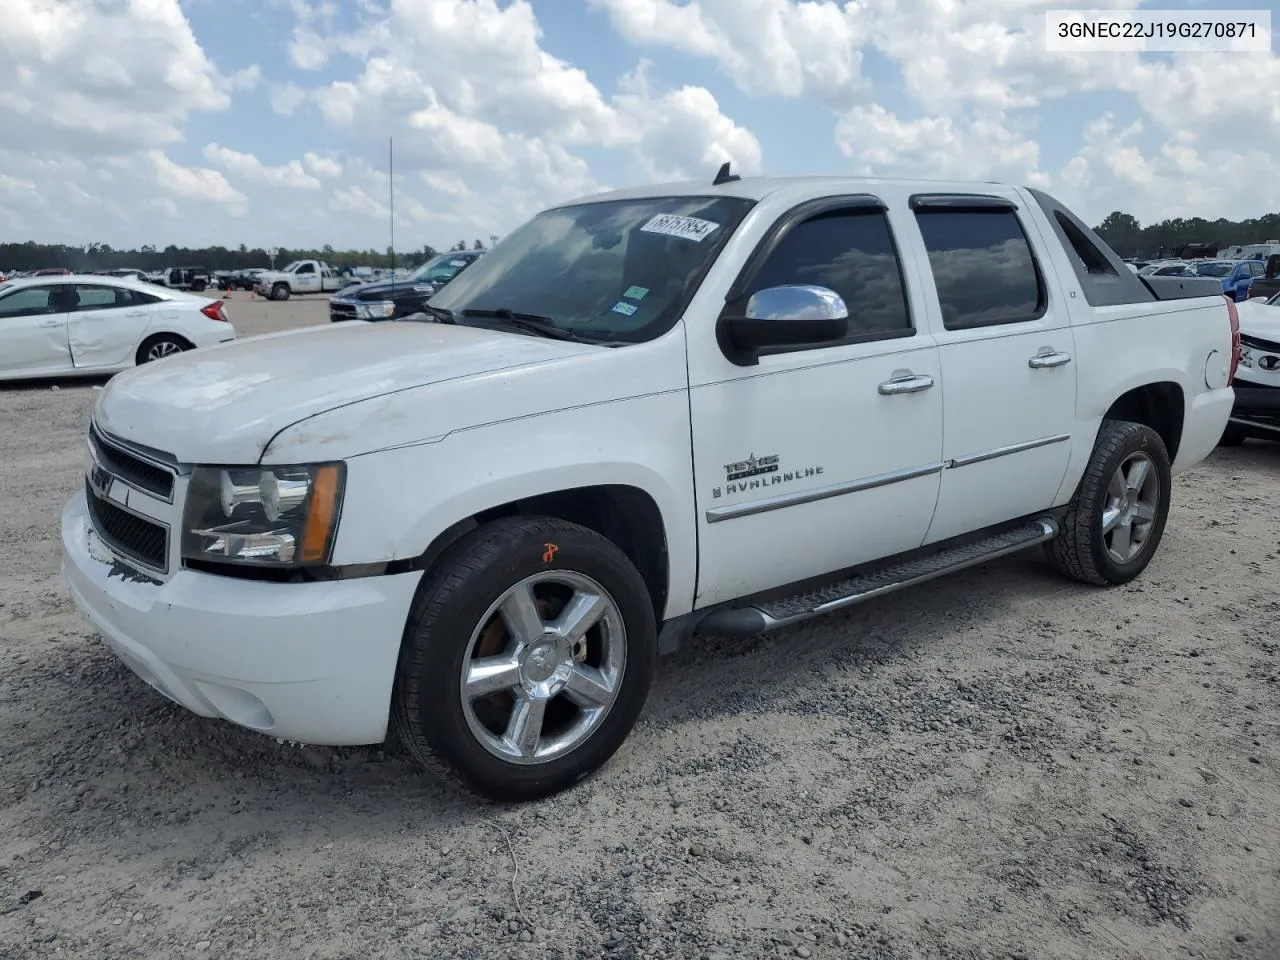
(301,276)
(709,408)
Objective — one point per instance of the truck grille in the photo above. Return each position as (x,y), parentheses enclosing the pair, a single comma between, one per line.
(129,467)
(341,311)
(1257,343)
(128,534)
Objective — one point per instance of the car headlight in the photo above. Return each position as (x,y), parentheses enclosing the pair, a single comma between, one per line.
(374,311)
(263,516)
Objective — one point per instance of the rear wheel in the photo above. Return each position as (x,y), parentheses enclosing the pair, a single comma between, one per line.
(160,346)
(1116,519)
(527,659)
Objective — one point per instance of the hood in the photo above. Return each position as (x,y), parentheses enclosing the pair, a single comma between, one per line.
(223,404)
(1259,320)
(381,289)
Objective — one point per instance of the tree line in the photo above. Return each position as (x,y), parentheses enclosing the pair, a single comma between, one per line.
(1168,238)
(1122,231)
(102,256)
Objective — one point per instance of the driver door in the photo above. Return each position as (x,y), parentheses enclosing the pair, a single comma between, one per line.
(33,331)
(306,279)
(814,459)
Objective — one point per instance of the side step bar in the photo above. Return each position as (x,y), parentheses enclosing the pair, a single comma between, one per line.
(774,614)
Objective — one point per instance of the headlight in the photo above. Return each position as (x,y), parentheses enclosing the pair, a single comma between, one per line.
(263,516)
(373,311)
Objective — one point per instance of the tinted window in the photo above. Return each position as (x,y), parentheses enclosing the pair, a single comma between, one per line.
(27,302)
(982,266)
(142,299)
(307,268)
(852,253)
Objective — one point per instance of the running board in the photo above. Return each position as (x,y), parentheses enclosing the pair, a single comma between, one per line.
(766,615)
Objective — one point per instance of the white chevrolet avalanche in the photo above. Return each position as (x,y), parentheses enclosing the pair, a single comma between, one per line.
(704,408)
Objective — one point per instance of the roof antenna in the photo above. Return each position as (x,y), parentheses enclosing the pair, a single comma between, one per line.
(724,176)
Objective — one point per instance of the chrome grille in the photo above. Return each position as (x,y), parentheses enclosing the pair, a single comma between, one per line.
(133,469)
(127,533)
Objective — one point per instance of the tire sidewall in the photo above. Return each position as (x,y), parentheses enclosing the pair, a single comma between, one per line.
(1138,438)
(445,633)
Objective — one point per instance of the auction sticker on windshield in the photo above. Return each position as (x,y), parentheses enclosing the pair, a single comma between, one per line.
(688,228)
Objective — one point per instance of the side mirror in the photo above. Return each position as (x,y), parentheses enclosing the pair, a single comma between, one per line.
(787,316)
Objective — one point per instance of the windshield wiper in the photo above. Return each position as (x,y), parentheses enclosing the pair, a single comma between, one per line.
(531,322)
(442,314)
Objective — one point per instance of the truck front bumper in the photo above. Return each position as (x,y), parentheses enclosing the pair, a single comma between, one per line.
(312,662)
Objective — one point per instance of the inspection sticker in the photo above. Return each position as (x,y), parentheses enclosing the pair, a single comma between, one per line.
(626,309)
(636,293)
(689,228)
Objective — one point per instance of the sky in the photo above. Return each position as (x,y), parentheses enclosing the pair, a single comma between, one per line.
(268,122)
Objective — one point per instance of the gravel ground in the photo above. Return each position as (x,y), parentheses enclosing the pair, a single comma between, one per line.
(1001,764)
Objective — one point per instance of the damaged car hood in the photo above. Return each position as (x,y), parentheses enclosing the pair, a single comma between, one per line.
(223,404)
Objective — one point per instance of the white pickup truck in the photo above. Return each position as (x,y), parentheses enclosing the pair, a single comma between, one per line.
(301,276)
(701,408)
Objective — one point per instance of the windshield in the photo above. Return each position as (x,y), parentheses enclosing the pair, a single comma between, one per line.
(293,266)
(618,270)
(444,266)
(1217,269)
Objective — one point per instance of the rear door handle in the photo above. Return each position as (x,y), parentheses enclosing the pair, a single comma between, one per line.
(1050,359)
(906,383)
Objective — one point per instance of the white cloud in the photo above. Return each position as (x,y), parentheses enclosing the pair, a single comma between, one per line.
(881,144)
(248,166)
(286,98)
(321,166)
(765,46)
(194,183)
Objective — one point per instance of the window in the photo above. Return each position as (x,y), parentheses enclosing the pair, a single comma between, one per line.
(27,302)
(850,252)
(1084,248)
(101,298)
(610,270)
(141,299)
(307,268)
(983,267)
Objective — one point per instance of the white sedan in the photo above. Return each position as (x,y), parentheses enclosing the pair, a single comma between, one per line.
(88,325)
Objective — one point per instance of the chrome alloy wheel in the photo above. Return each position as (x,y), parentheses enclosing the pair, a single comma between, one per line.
(162,349)
(1133,500)
(543,667)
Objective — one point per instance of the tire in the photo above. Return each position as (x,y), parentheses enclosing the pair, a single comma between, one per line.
(280,291)
(197,286)
(1083,550)
(160,346)
(1232,436)
(454,619)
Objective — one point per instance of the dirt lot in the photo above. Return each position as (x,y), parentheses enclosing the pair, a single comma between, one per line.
(1000,765)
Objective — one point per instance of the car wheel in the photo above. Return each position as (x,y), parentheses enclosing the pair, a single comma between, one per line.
(160,346)
(526,659)
(1116,518)
(280,291)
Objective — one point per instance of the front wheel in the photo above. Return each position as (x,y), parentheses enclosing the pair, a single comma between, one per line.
(1116,519)
(280,291)
(526,660)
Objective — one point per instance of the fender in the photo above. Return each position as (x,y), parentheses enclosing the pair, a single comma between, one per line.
(399,501)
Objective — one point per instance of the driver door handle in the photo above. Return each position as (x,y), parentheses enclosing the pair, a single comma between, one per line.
(1051,359)
(50,323)
(907,383)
